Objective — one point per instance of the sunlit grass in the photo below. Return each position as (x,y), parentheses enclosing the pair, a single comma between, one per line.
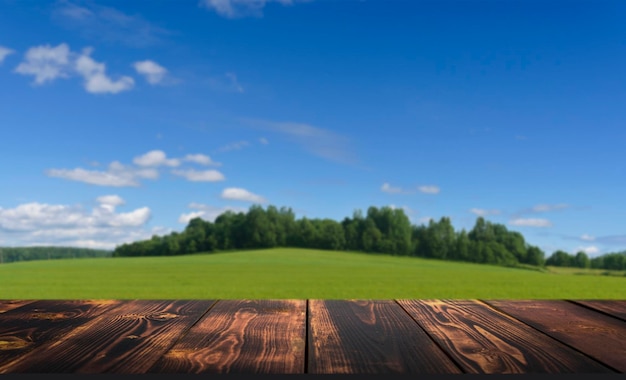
(291,273)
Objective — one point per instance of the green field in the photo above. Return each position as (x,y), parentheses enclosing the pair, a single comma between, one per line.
(291,273)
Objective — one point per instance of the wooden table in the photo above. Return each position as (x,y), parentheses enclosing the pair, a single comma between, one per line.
(312,336)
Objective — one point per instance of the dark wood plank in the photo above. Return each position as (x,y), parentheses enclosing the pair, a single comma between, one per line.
(614,308)
(483,340)
(6,305)
(126,339)
(370,336)
(25,328)
(242,336)
(597,335)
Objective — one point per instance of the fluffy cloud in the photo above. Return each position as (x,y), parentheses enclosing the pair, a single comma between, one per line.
(37,223)
(206,212)
(240,8)
(46,63)
(199,175)
(387,188)
(153,72)
(117,175)
(200,159)
(96,80)
(429,189)
(483,212)
(155,158)
(238,194)
(4,52)
(530,222)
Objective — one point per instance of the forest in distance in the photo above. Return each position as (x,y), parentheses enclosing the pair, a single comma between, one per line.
(382,230)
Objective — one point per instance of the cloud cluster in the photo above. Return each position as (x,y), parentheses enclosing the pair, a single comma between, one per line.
(240,8)
(47,63)
(73,225)
(206,212)
(530,222)
(426,189)
(146,167)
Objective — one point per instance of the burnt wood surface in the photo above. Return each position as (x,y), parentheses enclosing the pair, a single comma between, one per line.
(598,335)
(312,336)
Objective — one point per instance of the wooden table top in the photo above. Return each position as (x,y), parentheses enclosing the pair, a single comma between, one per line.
(312,336)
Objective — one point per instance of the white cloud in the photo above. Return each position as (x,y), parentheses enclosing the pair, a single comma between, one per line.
(429,189)
(483,212)
(589,250)
(200,176)
(46,63)
(206,212)
(234,146)
(240,8)
(37,223)
(239,194)
(117,175)
(387,188)
(155,158)
(587,237)
(548,207)
(263,141)
(407,210)
(4,52)
(201,159)
(96,80)
(153,72)
(109,202)
(530,222)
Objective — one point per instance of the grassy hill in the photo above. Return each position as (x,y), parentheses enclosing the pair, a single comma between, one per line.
(290,273)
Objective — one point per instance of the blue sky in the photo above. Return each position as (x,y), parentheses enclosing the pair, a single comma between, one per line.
(124,119)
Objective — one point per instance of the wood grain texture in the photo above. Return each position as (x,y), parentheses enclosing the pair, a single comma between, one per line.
(34,324)
(616,309)
(6,305)
(242,336)
(126,339)
(370,336)
(598,335)
(483,340)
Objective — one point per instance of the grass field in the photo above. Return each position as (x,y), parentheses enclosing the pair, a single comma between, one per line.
(291,273)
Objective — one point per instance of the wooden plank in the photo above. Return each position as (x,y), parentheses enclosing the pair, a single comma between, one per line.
(126,339)
(614,308)
(370,336)
(242,336)
(26,328)
(483,340)
(6,305)
(597,335)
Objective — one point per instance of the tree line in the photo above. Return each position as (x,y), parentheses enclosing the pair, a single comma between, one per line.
(381,230)
(613,261)
(13,254)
